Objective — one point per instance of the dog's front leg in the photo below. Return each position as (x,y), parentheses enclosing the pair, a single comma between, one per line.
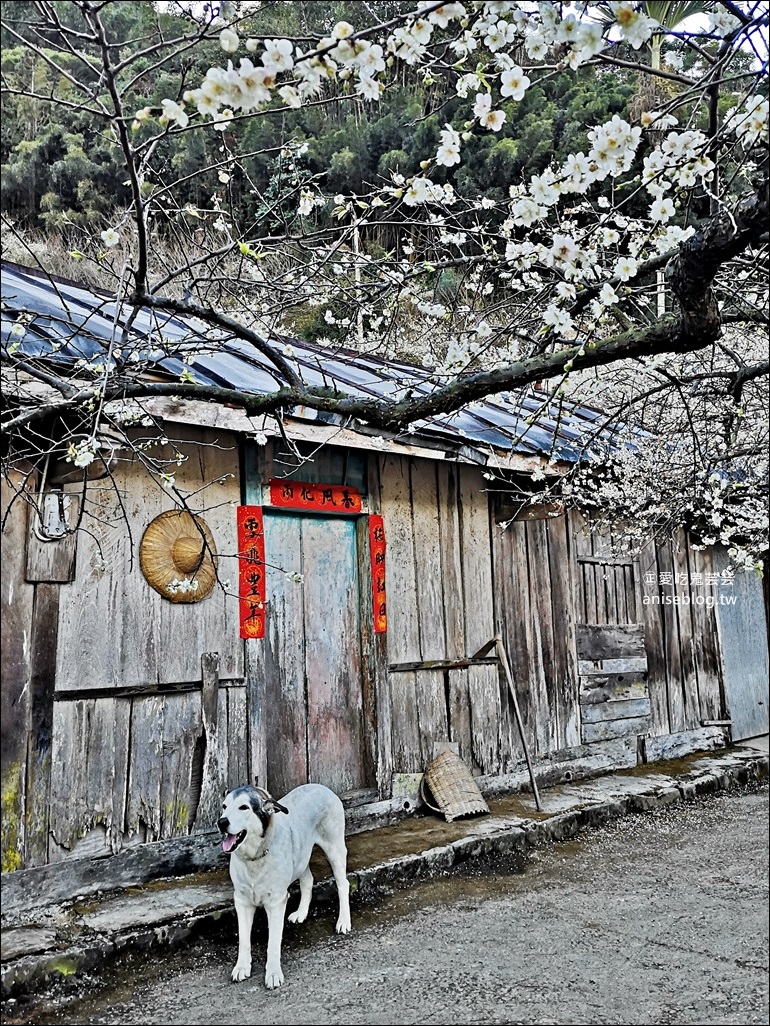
(275,915)
(245,910)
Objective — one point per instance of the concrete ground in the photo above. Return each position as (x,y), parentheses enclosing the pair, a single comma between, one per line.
(579,924)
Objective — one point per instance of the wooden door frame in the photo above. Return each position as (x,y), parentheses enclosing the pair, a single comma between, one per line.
(256,463)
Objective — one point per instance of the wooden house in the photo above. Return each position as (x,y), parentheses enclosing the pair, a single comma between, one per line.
(125,713)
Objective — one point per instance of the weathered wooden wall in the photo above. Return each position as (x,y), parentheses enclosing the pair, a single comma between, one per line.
(536,594)
(124,713)
(16,657)
(440,608)
(113,727)
(559,580)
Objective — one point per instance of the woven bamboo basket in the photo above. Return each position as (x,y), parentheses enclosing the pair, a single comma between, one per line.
(452,786)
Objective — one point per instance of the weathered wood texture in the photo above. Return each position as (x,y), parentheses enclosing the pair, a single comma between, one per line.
(535,594)
(15,666)
(440,609)
(666,591)
(114,629)
(128,770)
(743,633)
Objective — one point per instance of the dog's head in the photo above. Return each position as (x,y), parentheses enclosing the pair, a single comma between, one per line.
(246,811)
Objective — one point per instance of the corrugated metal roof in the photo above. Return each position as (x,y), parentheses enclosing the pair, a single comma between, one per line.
(71,323)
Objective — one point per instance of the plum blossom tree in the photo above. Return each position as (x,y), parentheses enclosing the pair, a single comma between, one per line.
(631,274)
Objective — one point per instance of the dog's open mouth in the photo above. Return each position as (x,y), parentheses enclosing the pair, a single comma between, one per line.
(232,841)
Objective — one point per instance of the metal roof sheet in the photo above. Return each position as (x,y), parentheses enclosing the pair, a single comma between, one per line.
(82,323)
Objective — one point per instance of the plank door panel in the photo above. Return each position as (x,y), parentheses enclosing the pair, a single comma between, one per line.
(286,705)
(332,652)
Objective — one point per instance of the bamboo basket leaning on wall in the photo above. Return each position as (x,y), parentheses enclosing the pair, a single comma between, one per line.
(453,788)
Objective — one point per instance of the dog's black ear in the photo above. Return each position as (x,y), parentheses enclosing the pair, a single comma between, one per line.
(275,806)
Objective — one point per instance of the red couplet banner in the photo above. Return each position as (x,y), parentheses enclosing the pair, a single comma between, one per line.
(251,571)
(377,554)
(320,497)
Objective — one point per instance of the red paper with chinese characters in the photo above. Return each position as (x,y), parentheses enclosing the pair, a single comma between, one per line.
(251,571)
(377,555)
(319,497)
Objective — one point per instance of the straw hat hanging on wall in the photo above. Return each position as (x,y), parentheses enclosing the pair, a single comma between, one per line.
(176,556)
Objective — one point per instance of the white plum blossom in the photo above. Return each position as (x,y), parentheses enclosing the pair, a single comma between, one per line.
(448,152)
(368,88)
(290,96)
(635,26)
(81,454)
(468,83)
(625,268)
(607,295)
(558,319)
(482,110)
(229,40)
(723,23)
(173,111)
(278,54)
(111,238)
(306,202)
(514,83)
(750,123)
(662,209)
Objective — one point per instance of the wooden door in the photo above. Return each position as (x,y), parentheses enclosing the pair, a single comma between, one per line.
(313,692)
(743,635)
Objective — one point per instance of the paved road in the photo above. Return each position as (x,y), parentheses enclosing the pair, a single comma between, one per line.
(661,919)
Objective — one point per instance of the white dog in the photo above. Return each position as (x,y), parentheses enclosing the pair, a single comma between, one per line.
(269,851)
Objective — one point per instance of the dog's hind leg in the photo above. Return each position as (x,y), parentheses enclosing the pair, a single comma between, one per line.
(305,894)
(337,854)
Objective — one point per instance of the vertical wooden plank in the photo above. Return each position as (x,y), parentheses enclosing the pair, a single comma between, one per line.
(427,557)
(53,560)
(561,573)
(17,598)
(690,697)
(580,529)
(432,710)
(459,713)
(238,768)
(67,812)
(654,638)
(476,556)
(516,613)
(407,749)
(88,777)
(706,638)
(143,805)
(743,642)
(484,692)
(676,714)
(332,652)
(545,682)
(633,614)
(213,775)
(43,646)
(378,653)
(403,615)
(501,583)
(286,698)
(181,729)
(121,736)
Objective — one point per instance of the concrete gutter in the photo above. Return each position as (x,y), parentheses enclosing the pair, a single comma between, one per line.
(45,946)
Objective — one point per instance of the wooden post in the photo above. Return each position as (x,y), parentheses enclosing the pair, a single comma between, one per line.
(498,641)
